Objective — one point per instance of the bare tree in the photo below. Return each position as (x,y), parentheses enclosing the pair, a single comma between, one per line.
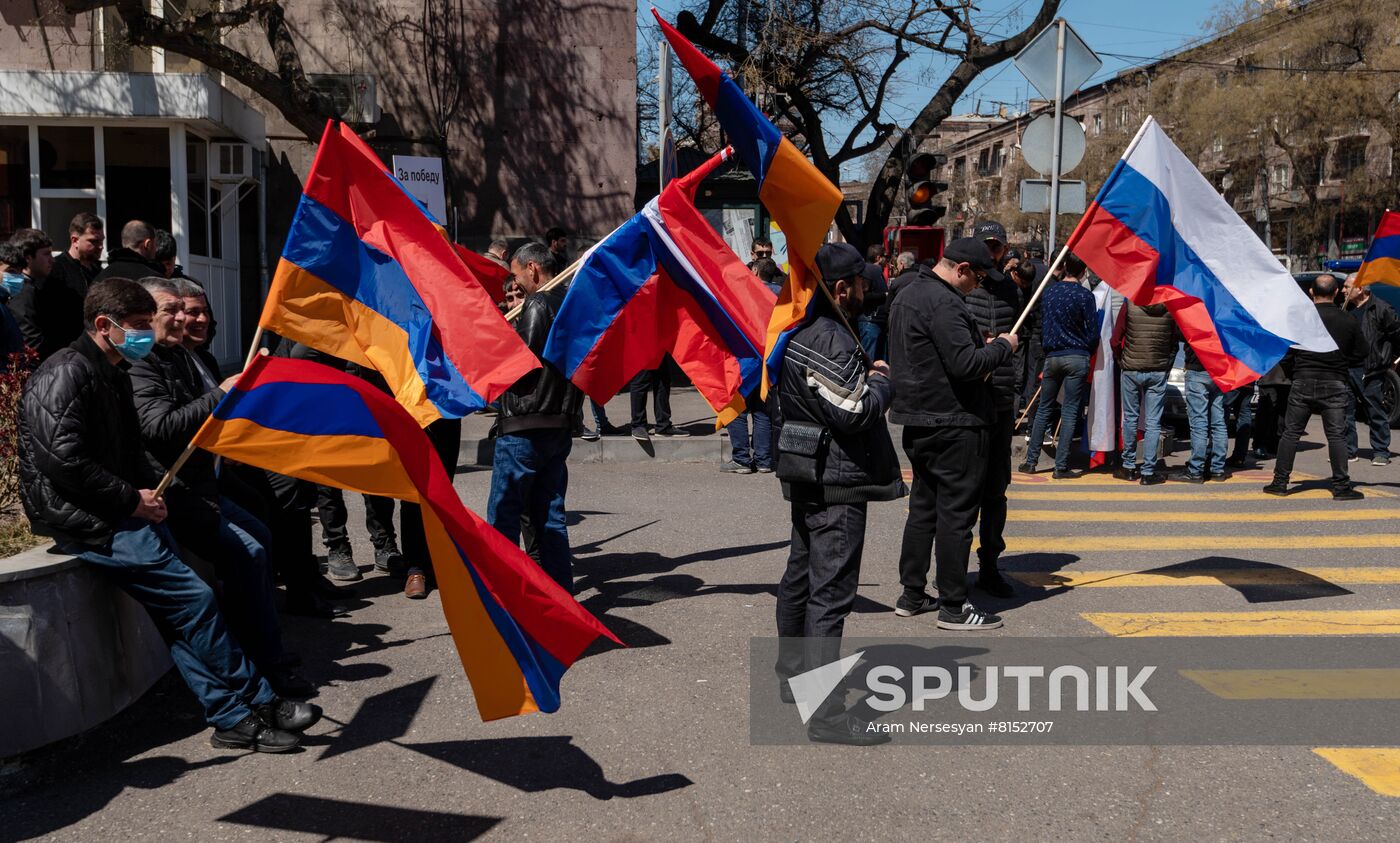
(814,59)
(198,35)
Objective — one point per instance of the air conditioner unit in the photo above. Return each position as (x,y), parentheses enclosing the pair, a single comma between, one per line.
(232,162)
(351,94)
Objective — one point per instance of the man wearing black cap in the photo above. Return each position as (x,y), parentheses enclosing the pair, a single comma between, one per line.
(834,457)
(941,362)
(995,305)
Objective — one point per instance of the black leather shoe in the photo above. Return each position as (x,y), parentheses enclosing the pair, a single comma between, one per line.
(1278,488)
(289,715)
(1067,474)
(1348,495)
(1188,477)
(1152,479)
(289,684)
(1026,468)
(1124,472)
(785,692)
(252,733)
(845,728)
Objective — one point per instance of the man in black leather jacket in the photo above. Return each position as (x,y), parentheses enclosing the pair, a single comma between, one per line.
(85,482)
(529,472)
(835,455)
(172,403)
(941,362)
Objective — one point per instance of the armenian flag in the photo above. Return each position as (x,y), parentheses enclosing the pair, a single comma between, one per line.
(664,281)
(515,629)
(802,201)
(1382,263)
(366,275)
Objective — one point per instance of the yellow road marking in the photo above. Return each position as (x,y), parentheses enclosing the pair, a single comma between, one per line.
(1208,576)
(1325,684)
(1106,479)
(1211,517)
(1166,494)
(1206,624)
(1377,767)
(1085,544)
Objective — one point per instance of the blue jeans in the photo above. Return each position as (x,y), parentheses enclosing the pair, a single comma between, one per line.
(1367,391)
(529,477)
(1072,373)
(1142,394)
(870,333)
(1237,404)
(1205,410)
(141,561)
(762,453)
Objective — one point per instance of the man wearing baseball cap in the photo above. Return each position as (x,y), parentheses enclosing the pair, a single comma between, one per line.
(834,457)
(993,234)
(940,361)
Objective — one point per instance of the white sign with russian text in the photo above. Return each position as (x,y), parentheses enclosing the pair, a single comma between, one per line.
(422,176)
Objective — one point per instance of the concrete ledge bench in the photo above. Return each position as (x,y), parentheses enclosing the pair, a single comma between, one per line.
(74,649)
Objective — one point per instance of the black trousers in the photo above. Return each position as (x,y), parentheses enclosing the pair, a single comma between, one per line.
(284,504)
(1268,424)
(446,436)
(991,516)
(819,586)
(1329,400)
(379,519)
(656,380)
(949,464)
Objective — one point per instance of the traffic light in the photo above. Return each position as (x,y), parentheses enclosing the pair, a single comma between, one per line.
(922,188)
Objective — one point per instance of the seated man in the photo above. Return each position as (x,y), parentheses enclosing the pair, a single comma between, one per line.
(171,404)
(85,481)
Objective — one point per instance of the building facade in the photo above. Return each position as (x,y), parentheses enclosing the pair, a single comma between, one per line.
(530,105)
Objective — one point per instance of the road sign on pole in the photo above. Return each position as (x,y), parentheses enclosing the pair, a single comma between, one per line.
(1038,145)
(1057,61)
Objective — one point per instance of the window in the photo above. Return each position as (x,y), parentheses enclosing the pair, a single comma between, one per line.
(118,54)
(197,172)
(15,209)
(998,157)
(1123,116)
(66,158)
(137,166)
(1280,178)
(1350,158)
(1098,125)
(959,167)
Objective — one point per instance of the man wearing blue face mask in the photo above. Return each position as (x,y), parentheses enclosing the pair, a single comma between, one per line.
(11,282)
(85,481)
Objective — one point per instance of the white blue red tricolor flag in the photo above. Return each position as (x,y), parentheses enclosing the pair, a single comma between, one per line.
(1101,423)
(1159,232)
(665,282)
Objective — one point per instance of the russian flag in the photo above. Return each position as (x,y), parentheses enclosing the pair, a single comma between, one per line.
(664,282)
(803,202)
(1382,264)
(1159,232)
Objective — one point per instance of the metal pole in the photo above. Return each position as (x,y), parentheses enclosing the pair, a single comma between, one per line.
(663,81)
(1059,125)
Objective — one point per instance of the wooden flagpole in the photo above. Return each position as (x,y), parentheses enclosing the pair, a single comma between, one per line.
(558,279)
(190,448)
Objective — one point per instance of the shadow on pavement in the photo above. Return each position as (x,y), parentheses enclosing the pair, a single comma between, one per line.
(382,717)
(332,818)
(1291,584)
(535,764)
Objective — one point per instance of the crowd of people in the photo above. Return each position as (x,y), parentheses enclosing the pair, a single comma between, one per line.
(125,377)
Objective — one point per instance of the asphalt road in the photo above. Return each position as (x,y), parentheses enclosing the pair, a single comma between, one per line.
(652,741)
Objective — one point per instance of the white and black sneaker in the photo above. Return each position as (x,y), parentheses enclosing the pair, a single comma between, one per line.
(970,617)
(910,605)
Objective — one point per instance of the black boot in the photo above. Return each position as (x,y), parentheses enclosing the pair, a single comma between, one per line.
(290,716)
(990,580)
(252,733)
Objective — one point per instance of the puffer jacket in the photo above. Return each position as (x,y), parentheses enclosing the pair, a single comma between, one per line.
(171,404)
(80,458)
(1150,339)
(824,382)
(543,399)
(995,305)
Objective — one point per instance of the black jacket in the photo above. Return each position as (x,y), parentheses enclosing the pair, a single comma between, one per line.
(876,290)
(1150,339)
(1381,328)
(995,305)
(1330,365)
(125,263)
(824,382)
(544,398)
(171,404)
(50,311)
(939,359)
(80,459)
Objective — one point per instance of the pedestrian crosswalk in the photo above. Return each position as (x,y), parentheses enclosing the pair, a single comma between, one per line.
(1098,534)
